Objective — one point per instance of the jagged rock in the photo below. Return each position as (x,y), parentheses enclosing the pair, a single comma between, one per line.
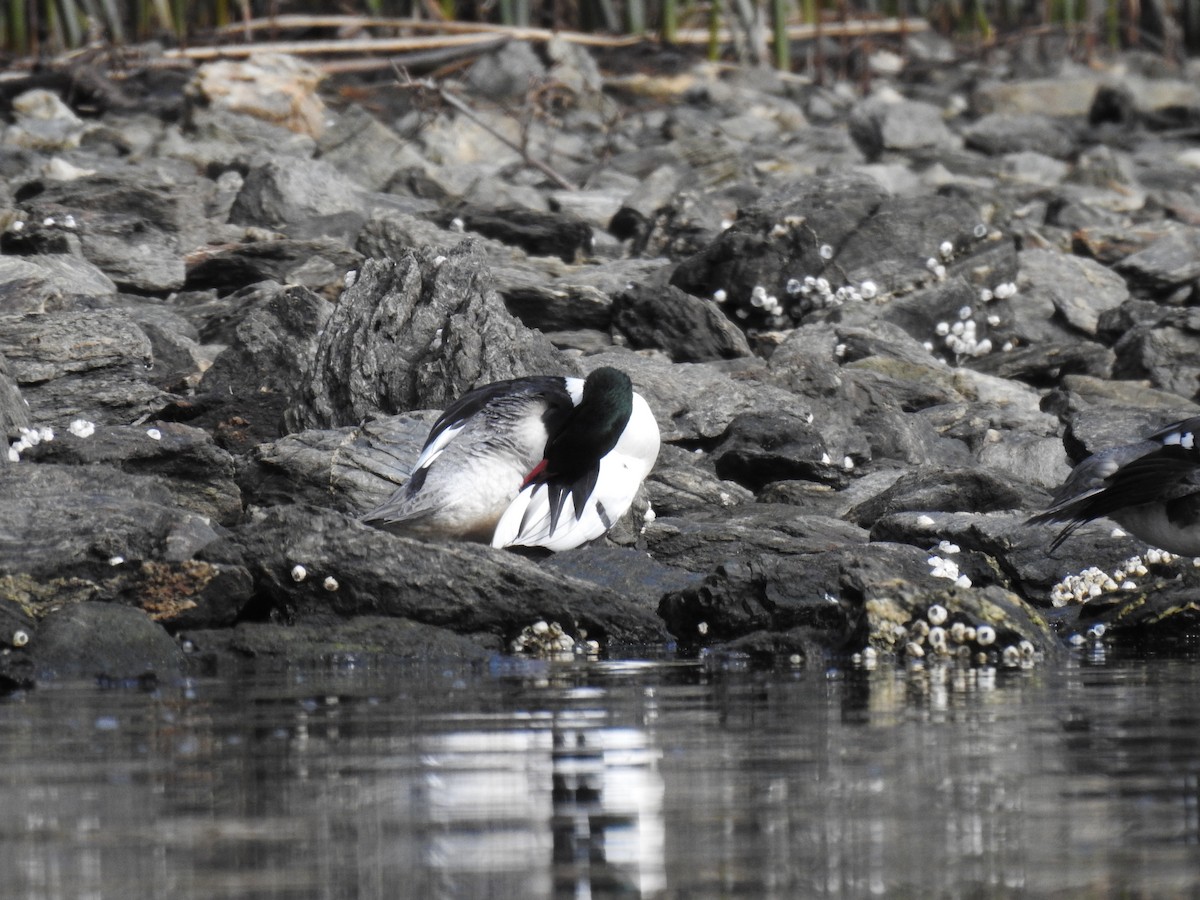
(415,333)
(244,396)
(303,198)
(1080,290)
(14,413)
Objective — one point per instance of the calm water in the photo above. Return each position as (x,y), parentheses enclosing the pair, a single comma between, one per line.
(635,779)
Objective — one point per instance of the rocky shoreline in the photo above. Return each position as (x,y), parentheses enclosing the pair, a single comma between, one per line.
(875,331)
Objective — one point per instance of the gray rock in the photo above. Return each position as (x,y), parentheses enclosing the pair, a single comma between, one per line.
(1165,265)
(302,197)
(319,264)
(51,283)
(470,589)
(245,394)
(14,412)
(1079,289)
(687,328)
(81,364)
(166,216)
(882,123)
(105,642)
(1001,133)
(184,461)
(415,333)
(365,149)
(138,548)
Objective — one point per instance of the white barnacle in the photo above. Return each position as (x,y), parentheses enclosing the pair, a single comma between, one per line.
(983,348)
(330,583)
(937,614)
(941,329)
(931,264)
(437,261)
(925,521)
(963,581)
(958,632)
(1005,290)
(986,295)
(154,434)
(826,251)
(939,272)
(964,312)
(980,231)
(457,225)
(20,638)
(349,278)
(946,249)
(299,573)
(48,221)
(116,560)
(702,628)
(947,547)
(868,290)
(14,455)
(719,295)
(1097,631)
(793,286)
(915,650)
(1011,656)
(985,635)
(81,428)
(937,638)
(540,627)
(1026,648)
(847,463)
(825,460)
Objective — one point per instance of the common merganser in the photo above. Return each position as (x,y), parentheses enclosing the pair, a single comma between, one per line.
(542,461)
(1150,488)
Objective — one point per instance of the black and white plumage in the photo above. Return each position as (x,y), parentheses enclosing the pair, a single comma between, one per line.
(1150,488)
(543,461)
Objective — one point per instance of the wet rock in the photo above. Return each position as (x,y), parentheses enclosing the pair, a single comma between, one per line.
(349,469)
(350,569)
(104,642)
(415,333)
(700,544)
(364,638)
(14,413)
(137,549)
(956,490)
(760,448)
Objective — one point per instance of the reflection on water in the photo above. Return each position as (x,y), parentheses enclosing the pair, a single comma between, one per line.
(631,779)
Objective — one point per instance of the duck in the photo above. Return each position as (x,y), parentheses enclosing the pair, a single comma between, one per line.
(542,461)
(1151,488)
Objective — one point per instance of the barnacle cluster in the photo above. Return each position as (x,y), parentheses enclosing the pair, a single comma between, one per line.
(938,634)
(942,567)
(548,639)
(1094,582)
(29,437)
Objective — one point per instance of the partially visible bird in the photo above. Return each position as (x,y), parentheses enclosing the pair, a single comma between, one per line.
(1150,488)
(542,461)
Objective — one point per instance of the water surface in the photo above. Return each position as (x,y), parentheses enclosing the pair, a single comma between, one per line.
(609,779)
